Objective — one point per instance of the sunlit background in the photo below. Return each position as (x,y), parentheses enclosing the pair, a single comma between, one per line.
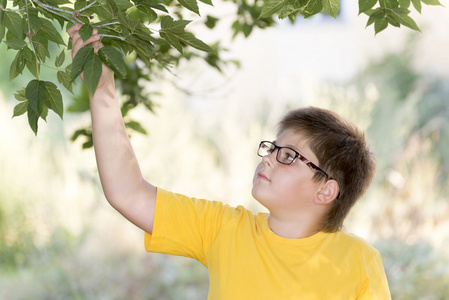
(59,239)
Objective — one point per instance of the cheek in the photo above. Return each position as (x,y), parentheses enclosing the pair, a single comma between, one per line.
(296,185)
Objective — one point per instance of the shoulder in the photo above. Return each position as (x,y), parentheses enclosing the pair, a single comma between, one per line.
(355,244)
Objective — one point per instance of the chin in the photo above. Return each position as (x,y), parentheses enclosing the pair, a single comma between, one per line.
(259,199)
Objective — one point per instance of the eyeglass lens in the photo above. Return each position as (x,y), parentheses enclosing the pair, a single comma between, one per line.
(284,155)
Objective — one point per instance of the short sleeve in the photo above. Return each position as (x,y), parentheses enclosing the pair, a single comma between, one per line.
(186,226)
(375,284)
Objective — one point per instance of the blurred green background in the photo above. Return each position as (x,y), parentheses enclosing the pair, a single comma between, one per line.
(59,239)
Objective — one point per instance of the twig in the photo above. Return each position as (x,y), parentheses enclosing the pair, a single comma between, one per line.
(77,20)
(30,38)
(46,6)
(104,25)
(87,6)
(53,10)
(113,36)
(10,9)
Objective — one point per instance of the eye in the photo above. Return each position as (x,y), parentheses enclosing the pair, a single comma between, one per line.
(287,155)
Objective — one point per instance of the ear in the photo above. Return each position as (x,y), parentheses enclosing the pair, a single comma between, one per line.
(328,192)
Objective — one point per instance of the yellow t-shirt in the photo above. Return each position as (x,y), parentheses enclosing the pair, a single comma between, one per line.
(246,260)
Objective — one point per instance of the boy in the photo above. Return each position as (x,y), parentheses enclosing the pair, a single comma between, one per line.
(308,179)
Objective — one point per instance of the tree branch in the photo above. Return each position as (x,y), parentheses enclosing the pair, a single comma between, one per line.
(10,9)
(54,10)
(30,38)
(87,6)
(107,24)
(113,36)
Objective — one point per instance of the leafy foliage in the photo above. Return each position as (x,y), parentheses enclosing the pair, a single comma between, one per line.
(388,12)
(32,29)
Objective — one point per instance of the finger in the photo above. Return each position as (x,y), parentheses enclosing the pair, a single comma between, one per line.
(73,29)
(74,34)
(78,43)
(97,45)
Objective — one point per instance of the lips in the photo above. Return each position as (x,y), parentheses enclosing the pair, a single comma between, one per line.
(261,176)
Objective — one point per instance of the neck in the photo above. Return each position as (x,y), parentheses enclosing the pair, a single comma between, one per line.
(292,229)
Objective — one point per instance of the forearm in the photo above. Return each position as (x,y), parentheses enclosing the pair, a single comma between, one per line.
(119,170)
(120,175)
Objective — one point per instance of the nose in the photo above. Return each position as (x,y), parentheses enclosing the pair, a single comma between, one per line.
(269,159)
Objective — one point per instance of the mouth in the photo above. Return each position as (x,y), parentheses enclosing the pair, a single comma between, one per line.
(261,176)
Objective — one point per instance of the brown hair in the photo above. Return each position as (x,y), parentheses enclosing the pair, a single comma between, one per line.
(342,153)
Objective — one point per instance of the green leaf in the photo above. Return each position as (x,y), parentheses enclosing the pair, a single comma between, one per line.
(111,6)
(136,126)
(102,11)
(64,79)
(53,98)
(40,43)
(391,18)
(79,60)
(51,32)
(32,119)
(3,3)
(86,32)
(154,5)
(2,31)
(190,5)
(32,65)
(34,94)
(20,109)
(389,3)
(401,15)
(123,5)
(79,133)
(432,2)
(417,4)
(271,7)
(365,5)
(247,29)
(331,7)
(380,25)
(211,22)
(174,33)
(60,59)
(16,43)
(145,13)
(44,113)
(35,23)
(208,2)
(20,95)
(405,3)
(129,23)
(167,22)
(13,22)
(312,7)
(378,14)
(17,66)
(113,59)
(28,54)
(89,143)
(92,72)
(80,4)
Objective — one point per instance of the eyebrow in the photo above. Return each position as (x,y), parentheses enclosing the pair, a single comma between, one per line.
(289,146)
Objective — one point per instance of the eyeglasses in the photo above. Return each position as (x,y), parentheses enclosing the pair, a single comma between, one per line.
(287,156)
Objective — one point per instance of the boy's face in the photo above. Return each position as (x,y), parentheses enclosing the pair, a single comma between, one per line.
(286,189)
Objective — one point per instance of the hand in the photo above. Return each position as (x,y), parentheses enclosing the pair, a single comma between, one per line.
(107,75)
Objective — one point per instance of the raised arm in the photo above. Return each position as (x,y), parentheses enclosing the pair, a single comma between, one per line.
(123,185)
